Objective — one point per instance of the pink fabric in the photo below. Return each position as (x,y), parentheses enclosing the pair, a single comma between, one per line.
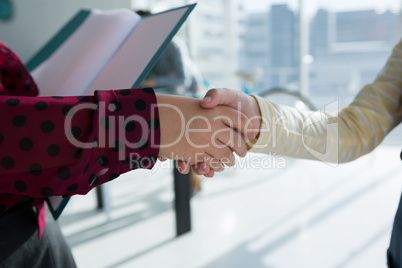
(41,211)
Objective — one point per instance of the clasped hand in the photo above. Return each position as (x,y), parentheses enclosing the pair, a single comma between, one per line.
(195,135)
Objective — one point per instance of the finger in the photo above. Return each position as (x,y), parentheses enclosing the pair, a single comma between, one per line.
(182,167)
(204,167)
(219,96)
(195,169)
(214,163)
(201,168)
(237,120)
(234,140)
(210,174)
(208,163)
(222,152)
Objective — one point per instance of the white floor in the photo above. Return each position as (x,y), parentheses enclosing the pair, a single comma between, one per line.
(307,214)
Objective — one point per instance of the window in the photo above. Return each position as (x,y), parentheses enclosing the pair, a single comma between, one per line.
(348,42)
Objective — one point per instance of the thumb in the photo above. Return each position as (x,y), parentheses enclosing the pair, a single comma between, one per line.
(218,96)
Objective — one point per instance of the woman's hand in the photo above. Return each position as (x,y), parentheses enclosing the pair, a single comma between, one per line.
(193,134)
(230,98)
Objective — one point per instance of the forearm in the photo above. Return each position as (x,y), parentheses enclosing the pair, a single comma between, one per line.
(287,131)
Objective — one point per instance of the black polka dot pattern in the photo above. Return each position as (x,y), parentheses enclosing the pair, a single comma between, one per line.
(47,126)
(41,106)
(93,180)
(85,168)
(20,186)
(102,161)
(35,169)
(140,105)
(78,153)
(113,176)
(13,102)
(105,122)
(47,191)
(20,74)
(91,115)
(63,173)
(145,163)
(125,92)
(115,106)
(148,90)
(135,164)
(66,110)
(142,144)
(53,150)
(7,163)
(73,187)
(130,126)
(83,98)
(26,144)
(19,120)
(76,132)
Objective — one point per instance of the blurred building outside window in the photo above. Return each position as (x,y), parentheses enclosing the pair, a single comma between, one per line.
(340,45)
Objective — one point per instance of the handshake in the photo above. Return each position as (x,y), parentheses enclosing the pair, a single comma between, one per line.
(204,135)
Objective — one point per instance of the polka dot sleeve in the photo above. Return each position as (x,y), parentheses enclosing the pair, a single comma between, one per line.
(68,145)
(14,78)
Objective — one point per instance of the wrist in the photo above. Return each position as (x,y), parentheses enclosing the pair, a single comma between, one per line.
(166,118)
(255,113)
(172,118)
